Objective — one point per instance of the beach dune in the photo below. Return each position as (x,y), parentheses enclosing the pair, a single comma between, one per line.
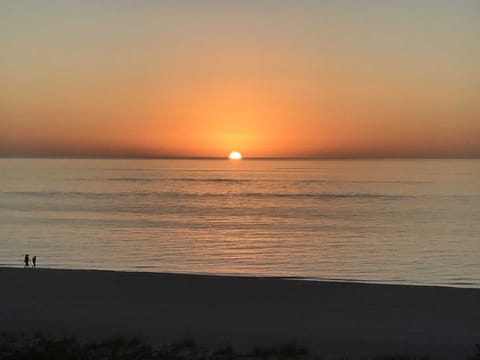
(331,318)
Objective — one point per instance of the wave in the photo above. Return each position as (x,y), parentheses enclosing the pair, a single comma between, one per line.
(233,181)
(175,194)
(214,180)
(326,181)
(130,179)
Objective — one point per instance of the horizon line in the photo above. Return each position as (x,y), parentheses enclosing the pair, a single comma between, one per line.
(143,157)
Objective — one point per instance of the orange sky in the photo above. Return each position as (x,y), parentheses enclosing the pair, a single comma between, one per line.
(267,78)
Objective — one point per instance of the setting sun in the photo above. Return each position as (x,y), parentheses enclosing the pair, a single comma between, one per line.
(235,155)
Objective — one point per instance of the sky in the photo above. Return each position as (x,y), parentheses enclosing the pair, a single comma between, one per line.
(268,78)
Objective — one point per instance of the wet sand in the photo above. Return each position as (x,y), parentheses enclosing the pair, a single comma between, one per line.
(330,318)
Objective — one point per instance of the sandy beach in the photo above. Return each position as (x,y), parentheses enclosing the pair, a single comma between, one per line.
(332,319)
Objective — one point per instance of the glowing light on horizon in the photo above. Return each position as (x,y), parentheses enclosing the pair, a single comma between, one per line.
(235,155)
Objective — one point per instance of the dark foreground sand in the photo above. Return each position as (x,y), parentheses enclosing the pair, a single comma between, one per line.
(332,319)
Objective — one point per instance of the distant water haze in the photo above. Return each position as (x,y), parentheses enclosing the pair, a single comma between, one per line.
(392,221)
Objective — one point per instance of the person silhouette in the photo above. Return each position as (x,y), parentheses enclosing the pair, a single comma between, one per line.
(34,261)
(26,260)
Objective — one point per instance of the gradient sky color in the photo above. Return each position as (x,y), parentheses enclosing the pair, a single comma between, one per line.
(269,78)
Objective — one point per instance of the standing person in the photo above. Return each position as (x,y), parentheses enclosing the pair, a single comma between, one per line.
(34,261)
(26,260)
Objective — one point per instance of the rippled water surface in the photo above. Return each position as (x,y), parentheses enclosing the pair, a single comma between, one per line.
(394,221)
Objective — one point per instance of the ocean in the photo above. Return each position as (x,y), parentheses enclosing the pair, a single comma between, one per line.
(382,221)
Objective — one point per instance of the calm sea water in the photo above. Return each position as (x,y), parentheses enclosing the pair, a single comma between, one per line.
(393,221)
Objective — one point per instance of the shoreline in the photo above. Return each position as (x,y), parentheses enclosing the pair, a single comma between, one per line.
(331,318)
(277,277)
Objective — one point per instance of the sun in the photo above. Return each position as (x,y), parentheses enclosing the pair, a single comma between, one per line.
(235,155)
